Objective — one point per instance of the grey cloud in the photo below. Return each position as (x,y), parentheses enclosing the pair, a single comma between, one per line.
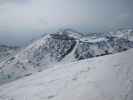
(26,19)
(12,1)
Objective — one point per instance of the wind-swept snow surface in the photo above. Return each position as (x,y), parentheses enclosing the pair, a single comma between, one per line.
(103,78)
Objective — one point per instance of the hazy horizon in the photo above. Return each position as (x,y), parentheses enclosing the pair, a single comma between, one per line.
(22,20)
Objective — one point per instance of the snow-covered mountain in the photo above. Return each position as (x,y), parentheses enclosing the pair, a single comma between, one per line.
(123,33)
(103,78)
(64,46)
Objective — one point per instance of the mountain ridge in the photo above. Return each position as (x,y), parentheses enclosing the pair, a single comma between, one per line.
(54,47)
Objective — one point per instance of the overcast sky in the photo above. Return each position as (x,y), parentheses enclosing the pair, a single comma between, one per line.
(21,20)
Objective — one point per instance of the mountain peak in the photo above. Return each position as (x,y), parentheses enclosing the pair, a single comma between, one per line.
(70,32)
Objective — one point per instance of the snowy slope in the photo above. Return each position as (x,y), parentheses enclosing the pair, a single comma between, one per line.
(103,78)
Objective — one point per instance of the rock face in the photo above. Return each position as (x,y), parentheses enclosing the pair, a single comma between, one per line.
(53,48)
(7,51)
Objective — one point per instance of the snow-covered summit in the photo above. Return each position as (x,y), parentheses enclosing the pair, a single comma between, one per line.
(37,57)
(72,33)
